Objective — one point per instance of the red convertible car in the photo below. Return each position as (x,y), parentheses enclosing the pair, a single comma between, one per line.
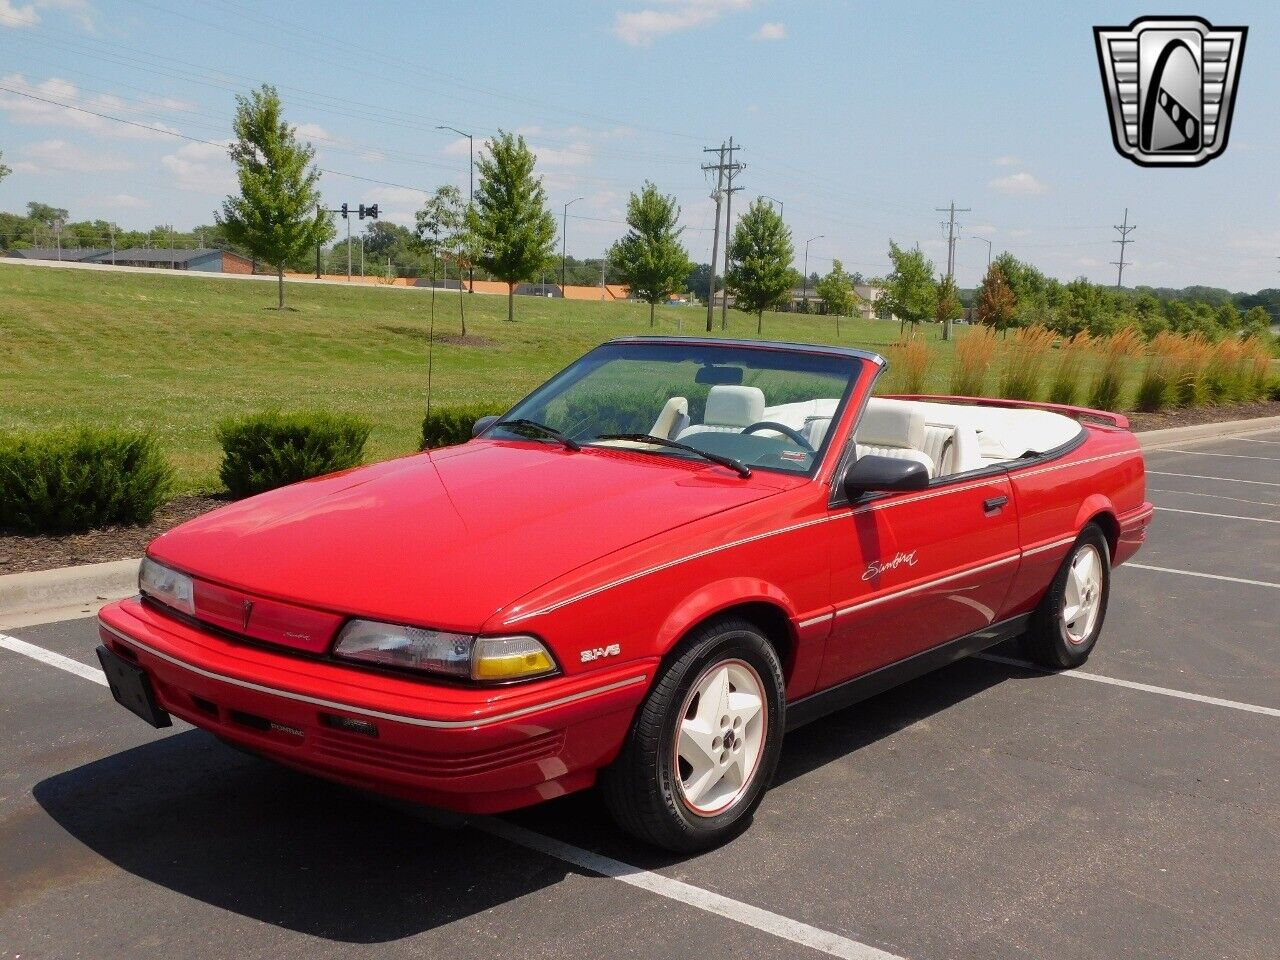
(644,574)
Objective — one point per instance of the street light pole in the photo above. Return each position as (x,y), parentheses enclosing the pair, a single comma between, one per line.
(564,240)
(781,208)
(988,243)
(471,191)
(806,269)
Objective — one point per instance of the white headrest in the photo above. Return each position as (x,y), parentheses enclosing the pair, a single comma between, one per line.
(888,424)
(734,406)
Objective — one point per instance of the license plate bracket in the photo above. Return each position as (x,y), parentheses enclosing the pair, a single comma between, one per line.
(131,688)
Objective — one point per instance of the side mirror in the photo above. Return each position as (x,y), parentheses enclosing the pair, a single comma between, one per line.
(481,425)
(877,474)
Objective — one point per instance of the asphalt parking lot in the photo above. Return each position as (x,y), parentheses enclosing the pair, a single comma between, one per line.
(987,810)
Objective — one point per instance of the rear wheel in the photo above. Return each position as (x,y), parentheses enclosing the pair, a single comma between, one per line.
(705,743)
(1068,621)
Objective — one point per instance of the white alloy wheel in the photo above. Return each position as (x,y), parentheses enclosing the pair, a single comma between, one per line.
(1082,594)
(721,736)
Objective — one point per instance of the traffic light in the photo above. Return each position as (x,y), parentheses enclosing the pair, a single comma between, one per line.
(371,212)
(344,211)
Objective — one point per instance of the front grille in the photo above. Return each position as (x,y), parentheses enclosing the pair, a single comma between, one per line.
(355,749)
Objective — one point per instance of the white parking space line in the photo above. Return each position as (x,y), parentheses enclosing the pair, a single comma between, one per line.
(794,931)
(1215,496)
(1204,576)
(1132,685)
(1197,476)
(1220,516)
(1252,440)
(1206,453)
(52,659)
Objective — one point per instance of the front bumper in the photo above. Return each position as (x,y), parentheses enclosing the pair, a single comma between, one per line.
(480,750)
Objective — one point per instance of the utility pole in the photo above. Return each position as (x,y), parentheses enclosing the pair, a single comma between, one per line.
(717,195)
(731,169)
(1124,230)
(564,240)
(951,252)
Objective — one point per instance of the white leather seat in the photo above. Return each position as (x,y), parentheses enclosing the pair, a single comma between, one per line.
(729,409)
(892,429)
(673,419)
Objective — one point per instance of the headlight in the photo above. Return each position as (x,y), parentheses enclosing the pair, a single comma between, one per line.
(169,587)
(452,654)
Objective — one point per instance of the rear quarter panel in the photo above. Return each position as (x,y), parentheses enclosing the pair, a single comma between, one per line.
(1104,479)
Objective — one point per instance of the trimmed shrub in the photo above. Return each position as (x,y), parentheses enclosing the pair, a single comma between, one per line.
(1109,381)
(1066,378)
(268,450)
(974,351)
(68,481)
(1023,363)
(447,426)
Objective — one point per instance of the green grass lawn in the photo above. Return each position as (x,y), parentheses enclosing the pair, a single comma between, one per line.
(176,354)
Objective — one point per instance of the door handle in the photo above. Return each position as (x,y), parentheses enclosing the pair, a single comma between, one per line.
(993,504)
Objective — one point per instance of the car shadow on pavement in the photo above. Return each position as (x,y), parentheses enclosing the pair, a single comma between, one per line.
(582,820)
(192,815)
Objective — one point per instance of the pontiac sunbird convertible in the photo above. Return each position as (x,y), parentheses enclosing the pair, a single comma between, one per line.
(643,575)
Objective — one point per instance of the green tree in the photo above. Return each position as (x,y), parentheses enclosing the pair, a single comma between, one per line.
(1228,317)
(442,233)
(4,171)
(44,214)
(948,307)
(277,215)
(836,291)
(1149,315)
(650,259)
(996,305)
(513,230)
(909,291)
(1257,322)
(761,253)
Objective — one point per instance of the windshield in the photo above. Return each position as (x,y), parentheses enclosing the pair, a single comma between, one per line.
(764,408)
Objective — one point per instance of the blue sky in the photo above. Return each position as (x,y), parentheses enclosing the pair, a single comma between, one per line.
(861,118)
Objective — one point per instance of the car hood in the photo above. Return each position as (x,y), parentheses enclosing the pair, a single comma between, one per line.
(447,539)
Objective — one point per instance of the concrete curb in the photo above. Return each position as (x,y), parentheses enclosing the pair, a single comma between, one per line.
(1173,436)
(89,586)
(23,594)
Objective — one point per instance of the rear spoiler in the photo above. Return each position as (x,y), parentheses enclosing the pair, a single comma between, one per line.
(1117,421)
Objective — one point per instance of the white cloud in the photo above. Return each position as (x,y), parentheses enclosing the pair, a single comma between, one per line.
(641,27)
(771,31)
(40,112)
(81,11)
(123,201)
(458,148)
(573,155)
(200,168)
(313,131)
(17,17)
(58,156)
(1018,183)
(1007,161)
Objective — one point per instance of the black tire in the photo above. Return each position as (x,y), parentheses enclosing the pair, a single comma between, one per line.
(1048,641)
(642,788)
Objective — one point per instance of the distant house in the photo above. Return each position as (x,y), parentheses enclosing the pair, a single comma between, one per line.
(66,255)
(864,306)
(207,261)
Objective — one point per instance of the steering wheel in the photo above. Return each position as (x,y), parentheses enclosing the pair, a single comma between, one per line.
(783,429)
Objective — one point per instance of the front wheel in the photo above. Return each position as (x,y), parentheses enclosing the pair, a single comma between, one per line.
(1068,621)
(705,742)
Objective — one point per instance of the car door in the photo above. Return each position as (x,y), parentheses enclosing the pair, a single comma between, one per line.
(910,571)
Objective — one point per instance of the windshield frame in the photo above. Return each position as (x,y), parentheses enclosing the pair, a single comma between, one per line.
(589,362)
